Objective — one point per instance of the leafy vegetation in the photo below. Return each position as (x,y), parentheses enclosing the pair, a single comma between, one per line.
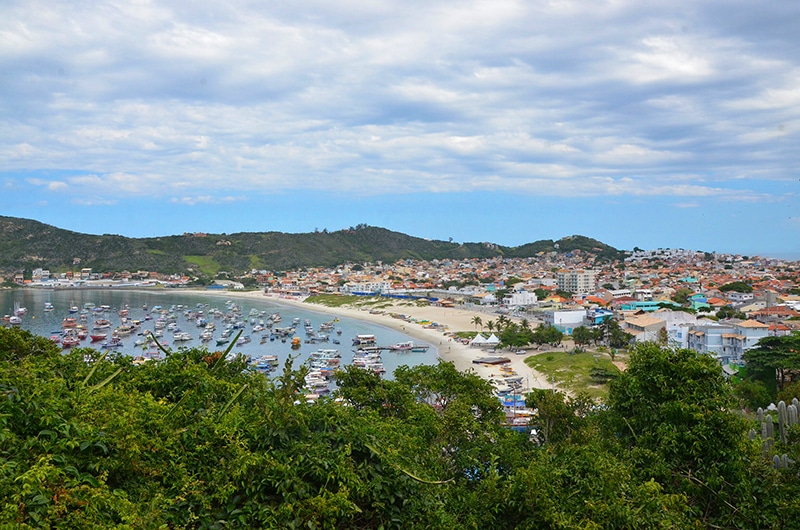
(739,287)
(27,244)
(196,441)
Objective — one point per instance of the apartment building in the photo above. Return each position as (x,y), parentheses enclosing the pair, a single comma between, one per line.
(577,281)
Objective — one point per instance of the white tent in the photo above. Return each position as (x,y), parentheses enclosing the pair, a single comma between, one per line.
(492,340)
(479,340)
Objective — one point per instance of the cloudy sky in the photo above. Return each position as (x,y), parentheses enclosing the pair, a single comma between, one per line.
(640,123)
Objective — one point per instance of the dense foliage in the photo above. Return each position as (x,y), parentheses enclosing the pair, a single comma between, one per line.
(196,441)
(27,244)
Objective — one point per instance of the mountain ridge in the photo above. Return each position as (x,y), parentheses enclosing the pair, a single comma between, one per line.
(26,244)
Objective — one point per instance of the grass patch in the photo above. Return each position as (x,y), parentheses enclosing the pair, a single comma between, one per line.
(256,262)
(333,300)
(207,265)
(579,372)
(156,252)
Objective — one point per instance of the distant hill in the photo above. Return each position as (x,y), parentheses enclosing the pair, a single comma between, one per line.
(26,244)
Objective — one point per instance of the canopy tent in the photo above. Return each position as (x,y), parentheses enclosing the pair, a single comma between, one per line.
(479,340)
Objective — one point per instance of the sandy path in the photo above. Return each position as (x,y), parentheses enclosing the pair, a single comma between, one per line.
(459,354)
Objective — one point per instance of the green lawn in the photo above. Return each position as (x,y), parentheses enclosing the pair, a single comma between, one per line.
(207,265)
(573,371)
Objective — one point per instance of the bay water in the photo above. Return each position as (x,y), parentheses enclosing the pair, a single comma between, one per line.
(141,303)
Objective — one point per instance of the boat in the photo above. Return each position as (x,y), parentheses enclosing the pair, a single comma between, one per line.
(113,342)
(181,336)
(68,341)
(101,323)
(360,340)
(15,320)
(69,322)
(125,329)
(402,346)
(48,306)
(98,337)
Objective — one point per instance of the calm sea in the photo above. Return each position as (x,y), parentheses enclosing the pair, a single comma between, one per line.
(142,303)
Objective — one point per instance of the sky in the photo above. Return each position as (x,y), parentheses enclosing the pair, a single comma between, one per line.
(639,123)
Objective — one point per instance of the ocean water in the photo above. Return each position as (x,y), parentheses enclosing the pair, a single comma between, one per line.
(141,303)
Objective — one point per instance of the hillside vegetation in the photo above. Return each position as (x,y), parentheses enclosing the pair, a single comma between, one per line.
(195,441)
(26,244)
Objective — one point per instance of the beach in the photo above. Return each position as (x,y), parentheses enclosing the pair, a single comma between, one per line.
(448,319)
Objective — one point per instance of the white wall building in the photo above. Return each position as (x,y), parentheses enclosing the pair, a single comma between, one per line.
(577,281)
(520,299)
(366,287)
(565,319)
(740,298)
(727,342)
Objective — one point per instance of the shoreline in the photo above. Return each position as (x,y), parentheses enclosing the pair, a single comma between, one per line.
(448,349)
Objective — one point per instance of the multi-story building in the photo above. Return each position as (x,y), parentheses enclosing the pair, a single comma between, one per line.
(727,342)
(565,320)
(519,299)
(577,281)
(366,287)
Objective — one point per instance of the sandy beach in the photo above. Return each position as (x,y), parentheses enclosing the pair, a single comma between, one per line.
(451,319)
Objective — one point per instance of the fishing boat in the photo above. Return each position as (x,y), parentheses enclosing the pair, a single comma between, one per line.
(101,323)
(69,322)
(69,340)
(98,337)
(361,340)
(48,306)
(181,336)
(113,342)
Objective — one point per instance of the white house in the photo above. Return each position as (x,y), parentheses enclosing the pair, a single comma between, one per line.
(519,299)
(565,320)
(727,342)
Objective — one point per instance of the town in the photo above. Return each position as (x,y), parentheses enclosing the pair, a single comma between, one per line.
(718,304)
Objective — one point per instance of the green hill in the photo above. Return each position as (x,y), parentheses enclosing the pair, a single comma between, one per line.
(27,244)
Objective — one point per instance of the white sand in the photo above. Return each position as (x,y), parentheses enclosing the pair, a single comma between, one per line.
(451,350)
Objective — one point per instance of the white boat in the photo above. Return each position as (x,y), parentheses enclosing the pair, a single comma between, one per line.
(181,336)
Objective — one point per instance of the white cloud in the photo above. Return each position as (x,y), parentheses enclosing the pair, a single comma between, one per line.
(556,98)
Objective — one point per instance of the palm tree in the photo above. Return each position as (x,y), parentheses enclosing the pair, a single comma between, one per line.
(502,322)
(490,325)
(477,321)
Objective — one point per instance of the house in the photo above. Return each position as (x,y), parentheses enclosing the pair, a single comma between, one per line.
(565,320)
(644,328)
(727,342)
(519,299)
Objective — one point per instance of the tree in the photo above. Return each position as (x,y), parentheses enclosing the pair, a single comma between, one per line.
(670,411)
(682,295)
(477,321)
(556,414)
(737,286)
(582,335)
(772,358)
(730,312)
